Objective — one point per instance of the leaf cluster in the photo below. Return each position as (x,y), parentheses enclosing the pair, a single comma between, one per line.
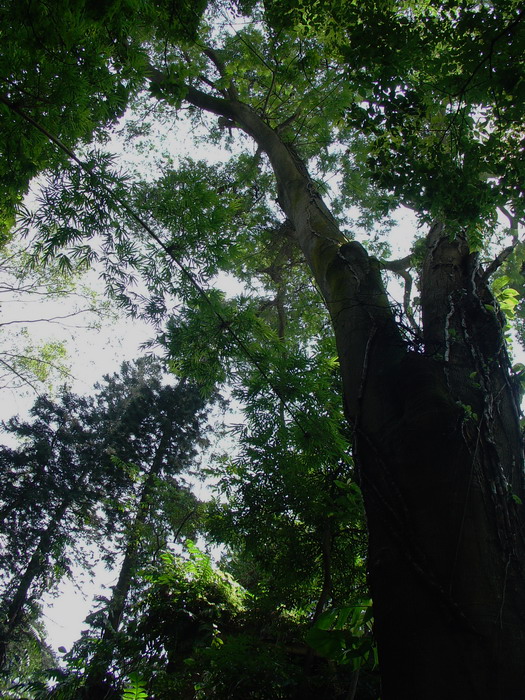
(72,67)
(437,88)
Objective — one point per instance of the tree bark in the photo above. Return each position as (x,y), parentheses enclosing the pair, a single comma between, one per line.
(438,447)
(440,473)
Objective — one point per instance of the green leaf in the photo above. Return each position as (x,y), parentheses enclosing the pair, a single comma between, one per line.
(500,282)
(136,689)
(328,643)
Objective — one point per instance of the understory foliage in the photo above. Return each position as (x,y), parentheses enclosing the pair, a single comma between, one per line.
(100,471)
(90,474)
(269,260)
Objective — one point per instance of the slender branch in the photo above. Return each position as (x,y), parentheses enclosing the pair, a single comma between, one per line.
(400,267)
(514,220)
(326,554)
(54,139)
(39,360)
(281,127)
(406,300)
(184,521)
(23,379)
(268,95)
(53,319)
(498,261)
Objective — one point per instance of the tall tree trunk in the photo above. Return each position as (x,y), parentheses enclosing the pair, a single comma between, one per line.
(95,687)
(35,569)
(438,446)
(130,561)
(440,482)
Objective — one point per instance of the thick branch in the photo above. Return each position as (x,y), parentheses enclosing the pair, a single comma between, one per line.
(498,261)
(221,69)
(400,265)
(350,283)
(217,62)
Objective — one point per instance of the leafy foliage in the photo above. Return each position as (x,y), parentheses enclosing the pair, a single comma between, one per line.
(84,466)
(436,98)
(72,67)
(345,635)
(136,689)
(29,297)
(392,103)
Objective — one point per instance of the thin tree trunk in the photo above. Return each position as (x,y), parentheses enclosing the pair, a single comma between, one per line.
(326,559)
(116,607)
(130,561)
(36,567)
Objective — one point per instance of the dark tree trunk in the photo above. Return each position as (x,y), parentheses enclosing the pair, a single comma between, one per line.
(441,479)
(437,443)
(130,561)
(95,681)
(35,570)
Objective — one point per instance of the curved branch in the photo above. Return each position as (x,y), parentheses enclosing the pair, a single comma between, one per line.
(214,58)
(400,265)
(514,222)
(221,69)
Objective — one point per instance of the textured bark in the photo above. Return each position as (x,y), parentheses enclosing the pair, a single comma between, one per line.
(439,480)
(438,446)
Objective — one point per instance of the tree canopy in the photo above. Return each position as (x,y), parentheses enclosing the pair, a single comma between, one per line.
(330,116)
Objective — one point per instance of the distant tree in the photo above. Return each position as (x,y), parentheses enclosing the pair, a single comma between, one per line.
(154,430)
(95,470)
(28,654)
(36,297)
(50,487)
